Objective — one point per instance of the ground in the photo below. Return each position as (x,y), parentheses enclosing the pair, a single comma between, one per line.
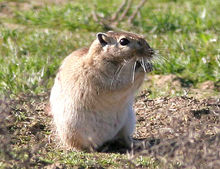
(177,108)
(178,131)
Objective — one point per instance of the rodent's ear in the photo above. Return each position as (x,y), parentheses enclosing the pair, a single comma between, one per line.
(103,38)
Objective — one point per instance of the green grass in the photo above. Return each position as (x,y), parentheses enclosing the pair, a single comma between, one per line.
(30,58)
(186,33)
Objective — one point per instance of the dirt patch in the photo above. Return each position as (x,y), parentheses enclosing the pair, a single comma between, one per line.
(24,131)
(180,131)
(166,114)
(170,85)
(177,132)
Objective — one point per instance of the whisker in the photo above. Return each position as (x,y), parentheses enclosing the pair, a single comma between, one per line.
(116,73)
(125,61)
(159,59)
(143,64)
(120,70)
(149,66)
(156,58)
(133,71)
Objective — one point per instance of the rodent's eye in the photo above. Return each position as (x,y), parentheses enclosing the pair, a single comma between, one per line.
(124,41)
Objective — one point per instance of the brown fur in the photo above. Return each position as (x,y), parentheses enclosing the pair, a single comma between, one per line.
(91,100)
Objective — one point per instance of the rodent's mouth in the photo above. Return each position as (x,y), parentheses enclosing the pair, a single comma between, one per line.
(138,65)
(145,66)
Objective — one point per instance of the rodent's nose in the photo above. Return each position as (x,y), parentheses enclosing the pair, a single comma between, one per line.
(143,43)
(139,43)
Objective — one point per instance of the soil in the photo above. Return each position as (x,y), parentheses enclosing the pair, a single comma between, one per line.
(181,130)
(176,131)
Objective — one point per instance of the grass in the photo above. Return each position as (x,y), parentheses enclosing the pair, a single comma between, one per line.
(30,58)
(36,36)
(186,34)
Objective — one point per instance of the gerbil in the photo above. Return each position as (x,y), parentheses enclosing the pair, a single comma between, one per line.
(92,97)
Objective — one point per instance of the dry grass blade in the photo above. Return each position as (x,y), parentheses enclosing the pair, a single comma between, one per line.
(115,15)
(112,23)
(124,12)
(133,15)
(101,21)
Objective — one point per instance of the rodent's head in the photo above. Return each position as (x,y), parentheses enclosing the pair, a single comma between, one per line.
(122,58)
(119,47)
